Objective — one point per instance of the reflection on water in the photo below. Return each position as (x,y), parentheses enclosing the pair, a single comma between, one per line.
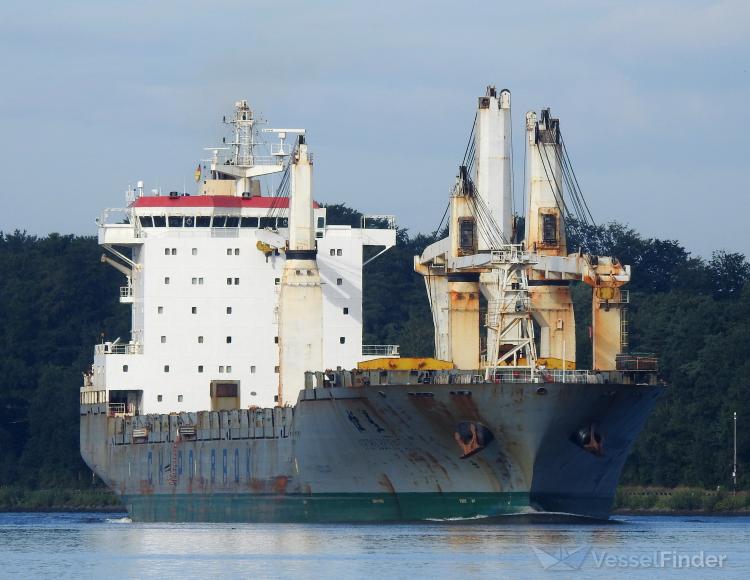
(97,545)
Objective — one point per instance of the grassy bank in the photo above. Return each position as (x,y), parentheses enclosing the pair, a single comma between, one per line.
(634,500)
(41,500)
(654,500)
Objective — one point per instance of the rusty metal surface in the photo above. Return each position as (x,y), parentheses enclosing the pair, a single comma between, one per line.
(386,440)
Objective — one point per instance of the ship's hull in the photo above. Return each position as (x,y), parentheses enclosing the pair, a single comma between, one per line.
(377,453)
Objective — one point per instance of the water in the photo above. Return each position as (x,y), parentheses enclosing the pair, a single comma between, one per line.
(109,546)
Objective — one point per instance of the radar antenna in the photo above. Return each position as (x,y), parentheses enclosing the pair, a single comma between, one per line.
(281,152)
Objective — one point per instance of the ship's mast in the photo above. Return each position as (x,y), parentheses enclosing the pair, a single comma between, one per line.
(509,328)
(493,153)
(301,296)
(244,142)
(545,234)
(478,257)
(244,162)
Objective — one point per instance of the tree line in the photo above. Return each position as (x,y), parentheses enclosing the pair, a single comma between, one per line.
(57,300)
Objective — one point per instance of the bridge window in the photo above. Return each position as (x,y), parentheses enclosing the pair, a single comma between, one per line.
(219,221)
(249,222)
(175,221)
(203,221)
(146,221)
(233,221)
(160,221)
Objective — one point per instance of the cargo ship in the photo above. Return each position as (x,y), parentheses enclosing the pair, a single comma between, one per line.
(245,394)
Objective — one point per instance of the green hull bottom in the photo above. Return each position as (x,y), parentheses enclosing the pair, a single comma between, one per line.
(352,507)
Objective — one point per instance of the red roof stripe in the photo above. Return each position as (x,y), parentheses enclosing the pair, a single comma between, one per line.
(212,201)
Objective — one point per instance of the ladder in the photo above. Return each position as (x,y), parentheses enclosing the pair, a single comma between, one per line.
(173,466)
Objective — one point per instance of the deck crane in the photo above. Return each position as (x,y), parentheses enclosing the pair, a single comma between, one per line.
(526,285)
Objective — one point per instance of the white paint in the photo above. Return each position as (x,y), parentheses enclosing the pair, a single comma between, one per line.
(301,300)
(302,232)
(493,143)
(544,187)
(252,323)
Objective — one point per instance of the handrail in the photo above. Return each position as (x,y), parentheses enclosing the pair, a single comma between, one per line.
(380,350)
(511,253)
(126,348)
(389,221)
(641,362)
(525,375)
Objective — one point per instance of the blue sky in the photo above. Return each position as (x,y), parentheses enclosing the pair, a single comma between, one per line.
(651,97)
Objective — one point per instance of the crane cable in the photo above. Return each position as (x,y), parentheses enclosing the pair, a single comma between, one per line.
(282,191)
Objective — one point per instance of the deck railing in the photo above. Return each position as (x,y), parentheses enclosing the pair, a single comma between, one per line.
(380,350)
(525,375)
(378,222)
(638,362)
(125,348)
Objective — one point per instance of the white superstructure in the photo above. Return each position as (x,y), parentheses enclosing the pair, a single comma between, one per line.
(203,276)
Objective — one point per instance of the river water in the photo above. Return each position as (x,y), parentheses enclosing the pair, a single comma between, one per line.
(93,545)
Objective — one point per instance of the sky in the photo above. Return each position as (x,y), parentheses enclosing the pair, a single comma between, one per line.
(651,97)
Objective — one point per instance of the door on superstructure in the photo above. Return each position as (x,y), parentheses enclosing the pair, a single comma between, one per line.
(125,402)
(225,395)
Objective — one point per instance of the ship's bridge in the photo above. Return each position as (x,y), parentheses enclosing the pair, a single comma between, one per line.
(202,276)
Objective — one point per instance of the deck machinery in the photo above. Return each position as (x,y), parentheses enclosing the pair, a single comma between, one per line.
(529,320)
